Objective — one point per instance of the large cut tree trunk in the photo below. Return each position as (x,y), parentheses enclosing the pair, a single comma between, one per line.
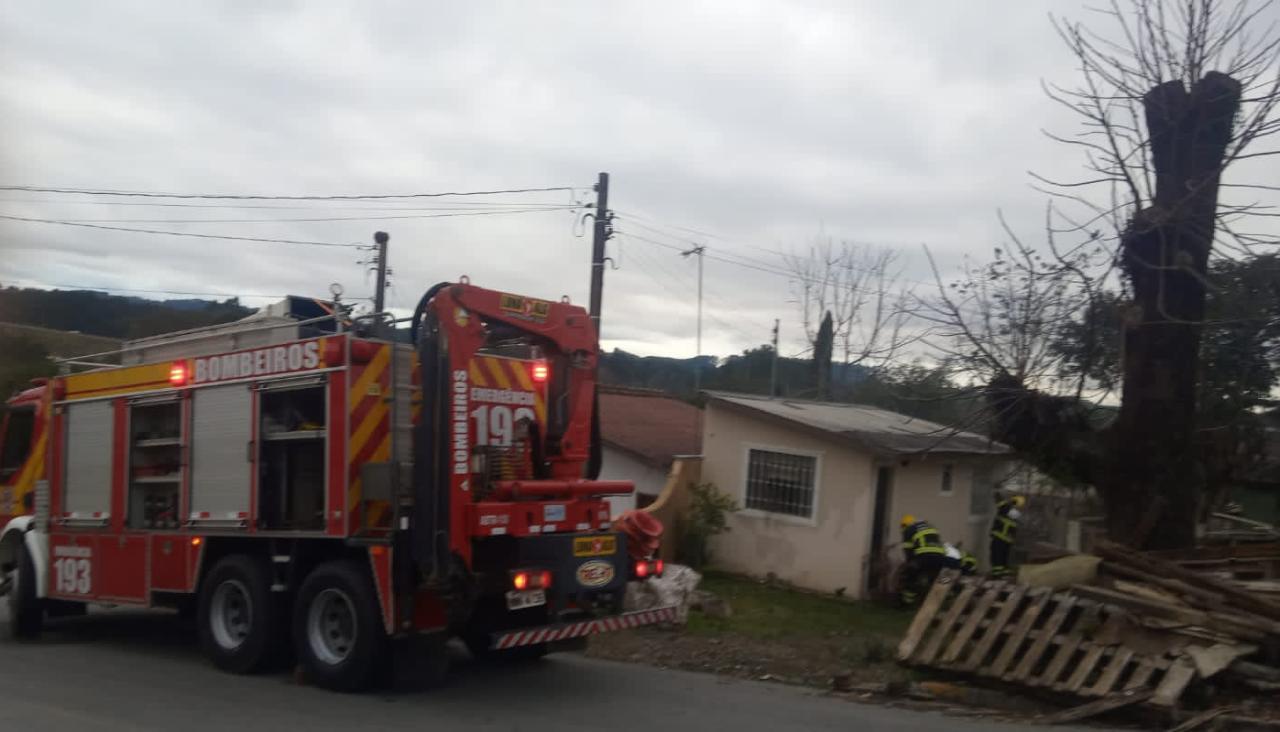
(1152,483)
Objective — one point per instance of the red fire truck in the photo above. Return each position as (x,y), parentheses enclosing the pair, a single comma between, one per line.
(310,489)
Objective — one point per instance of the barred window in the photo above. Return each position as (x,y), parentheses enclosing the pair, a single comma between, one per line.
(780,482)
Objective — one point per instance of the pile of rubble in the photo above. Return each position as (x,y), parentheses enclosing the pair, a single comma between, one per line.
(1195,638)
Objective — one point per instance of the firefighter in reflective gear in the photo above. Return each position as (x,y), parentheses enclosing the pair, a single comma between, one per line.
(960,559)
(926,556)
(1004,529)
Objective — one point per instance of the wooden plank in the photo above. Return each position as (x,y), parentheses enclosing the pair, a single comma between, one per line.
(1111,674)
(976,616)
(1019,634)
(1202,719)
(1174,683)
(1091,657)
(1099,706)
(1141,675)
(1068,649)
(924,617)
(1237,596)
(993,631)
(1032,657)
(1237,626)
(943,631)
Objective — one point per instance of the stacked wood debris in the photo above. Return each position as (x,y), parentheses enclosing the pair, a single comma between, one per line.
(1119,628)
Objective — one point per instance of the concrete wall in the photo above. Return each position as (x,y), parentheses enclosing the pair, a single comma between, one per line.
(824,554)
(917,490)
(673,503)
(619,465)
(832,550)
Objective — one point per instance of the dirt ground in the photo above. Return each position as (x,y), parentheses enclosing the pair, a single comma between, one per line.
(772,633)
(808,662)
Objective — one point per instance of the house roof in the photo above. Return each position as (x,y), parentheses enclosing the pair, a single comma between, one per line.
(650,425)
(871,428)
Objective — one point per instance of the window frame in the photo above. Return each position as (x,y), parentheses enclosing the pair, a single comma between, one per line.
(947,480)
(758,513)
(7,414)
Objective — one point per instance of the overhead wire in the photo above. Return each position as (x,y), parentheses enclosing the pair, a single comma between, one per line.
(227,237)
(318,206)
(496,212)
(266,197)
(687,283)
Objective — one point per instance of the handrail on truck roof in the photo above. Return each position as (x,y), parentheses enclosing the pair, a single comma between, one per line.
(193,332)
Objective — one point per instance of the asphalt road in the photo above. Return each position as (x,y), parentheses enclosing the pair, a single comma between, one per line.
(130,670)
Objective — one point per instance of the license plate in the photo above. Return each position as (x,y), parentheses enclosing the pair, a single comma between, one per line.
(517,600)
(595,546)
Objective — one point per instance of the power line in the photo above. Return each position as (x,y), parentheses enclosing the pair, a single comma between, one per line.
(450,206)
(643,259)
(496,212)
(264,197)
(181,233)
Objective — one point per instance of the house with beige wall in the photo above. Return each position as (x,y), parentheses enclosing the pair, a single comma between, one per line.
(821,487)
(643,431)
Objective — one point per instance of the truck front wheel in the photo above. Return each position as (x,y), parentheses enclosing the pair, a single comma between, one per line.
(237,618)
(337,628)
(26,611)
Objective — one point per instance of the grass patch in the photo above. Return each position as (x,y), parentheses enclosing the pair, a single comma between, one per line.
(769,612)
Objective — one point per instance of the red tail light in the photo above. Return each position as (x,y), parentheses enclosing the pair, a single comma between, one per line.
(540,371)
(642,569)
(524,580)
(178,373)
(658,567)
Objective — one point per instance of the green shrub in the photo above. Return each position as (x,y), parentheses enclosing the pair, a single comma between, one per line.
(709,508)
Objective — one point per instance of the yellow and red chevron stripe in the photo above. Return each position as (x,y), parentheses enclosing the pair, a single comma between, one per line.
(369,425)
(508,374)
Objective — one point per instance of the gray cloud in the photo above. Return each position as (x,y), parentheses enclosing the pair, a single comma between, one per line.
(761,122)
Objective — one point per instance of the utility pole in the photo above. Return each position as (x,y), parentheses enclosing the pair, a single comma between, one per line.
(773,370)
(380,294)
(603,230)
(697,367)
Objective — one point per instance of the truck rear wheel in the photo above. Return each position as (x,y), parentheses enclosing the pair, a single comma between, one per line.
(26,612)
(238,621)
(337,628)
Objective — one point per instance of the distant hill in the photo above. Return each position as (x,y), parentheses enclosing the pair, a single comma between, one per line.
(37,326)
(748,372)
(98,313)
(60,343)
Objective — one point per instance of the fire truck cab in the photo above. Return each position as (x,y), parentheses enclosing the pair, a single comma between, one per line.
(307,486)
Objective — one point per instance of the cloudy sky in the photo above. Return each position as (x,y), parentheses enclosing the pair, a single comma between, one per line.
(757,125)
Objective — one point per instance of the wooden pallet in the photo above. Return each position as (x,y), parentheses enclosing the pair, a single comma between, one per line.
(1035,638)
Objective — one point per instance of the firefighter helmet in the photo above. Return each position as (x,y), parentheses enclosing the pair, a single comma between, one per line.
(1019,501)
(907,520)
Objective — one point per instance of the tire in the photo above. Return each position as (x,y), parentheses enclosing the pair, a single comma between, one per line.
(26,611)
(338,634)
(238,619)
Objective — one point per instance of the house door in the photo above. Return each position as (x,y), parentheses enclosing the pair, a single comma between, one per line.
(879,565)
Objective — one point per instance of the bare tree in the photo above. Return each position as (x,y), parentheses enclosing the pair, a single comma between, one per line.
(1180,91)
(1000,317)
(860,286)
